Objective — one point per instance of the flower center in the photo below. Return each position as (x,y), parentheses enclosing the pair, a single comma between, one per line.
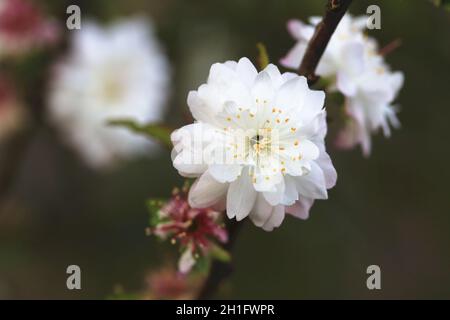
(112,90)
(260,144)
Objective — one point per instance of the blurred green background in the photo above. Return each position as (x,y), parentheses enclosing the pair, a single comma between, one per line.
(392,210)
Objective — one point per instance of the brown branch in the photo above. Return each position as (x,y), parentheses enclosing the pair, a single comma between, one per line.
(335,10)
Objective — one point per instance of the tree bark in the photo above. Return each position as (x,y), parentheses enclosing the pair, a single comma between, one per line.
(335,10)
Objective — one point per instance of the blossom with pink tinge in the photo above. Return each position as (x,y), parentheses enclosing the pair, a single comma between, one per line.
(194,229)
(356,69)
(23,27)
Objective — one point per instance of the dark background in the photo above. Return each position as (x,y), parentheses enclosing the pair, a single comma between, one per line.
(392,209)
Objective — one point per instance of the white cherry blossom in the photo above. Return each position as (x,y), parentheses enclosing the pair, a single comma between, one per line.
(352,62)
(112,73)
(257,146)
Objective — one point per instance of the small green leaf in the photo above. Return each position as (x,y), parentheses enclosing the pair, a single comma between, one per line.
(219,253)
(263,57)
(155,131)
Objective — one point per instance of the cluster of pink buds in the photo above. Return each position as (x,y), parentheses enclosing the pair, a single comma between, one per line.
(23,27)
(195,230)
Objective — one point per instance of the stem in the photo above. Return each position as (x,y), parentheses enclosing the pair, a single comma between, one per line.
(335,10)
(390,47)
(220,271)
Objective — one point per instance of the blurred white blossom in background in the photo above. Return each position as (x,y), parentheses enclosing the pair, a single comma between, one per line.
(118,72)
(356,69)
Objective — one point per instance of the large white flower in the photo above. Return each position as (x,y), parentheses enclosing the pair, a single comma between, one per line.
(257,144)
(358,71)
(111,73)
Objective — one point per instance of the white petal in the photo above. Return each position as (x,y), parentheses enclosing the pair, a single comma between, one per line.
(330,174)
(225,84)
(397,79)
(275,197)
(353,58)
(221,74)
(301,208)
(291,94)
(316,130)
(225,172)
(275,75)
(346,84)
(313,104)
(246,71)
(188,149)
(261,211)
(241,197)
(290,193)
(186,169)
(308,150)
(186,262)
(285,77)
(312,185)
(275,219)
(206,103)
(294,57)
(231,64)
(263,89)
(299,30)
(199,108)
(206,191)
(391,117)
